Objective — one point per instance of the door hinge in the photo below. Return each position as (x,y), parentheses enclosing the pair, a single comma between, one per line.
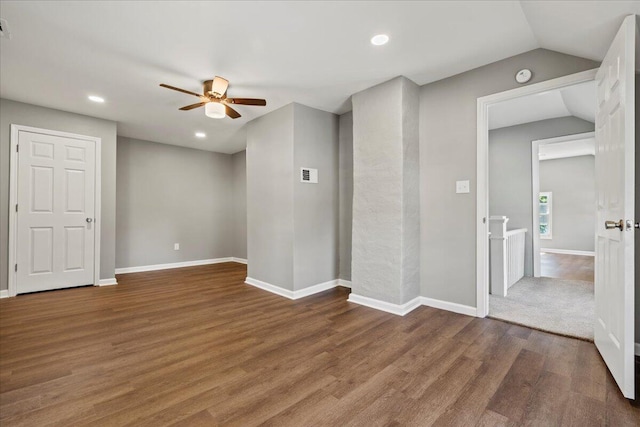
(16,268)
(16,207)
(17,148)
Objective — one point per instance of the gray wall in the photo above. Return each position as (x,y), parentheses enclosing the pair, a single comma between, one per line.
(385,245)
(240,205)
(12,112)
(292,226)
(510,172)
(346,193)
(573,183)
(270,197)
(315,145)
(448,153)
(168,194)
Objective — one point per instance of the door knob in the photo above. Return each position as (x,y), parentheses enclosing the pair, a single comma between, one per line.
(89,220)
(614,224)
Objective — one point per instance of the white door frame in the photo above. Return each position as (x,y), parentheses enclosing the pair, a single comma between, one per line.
(535,186)
(13,199)
(482,201)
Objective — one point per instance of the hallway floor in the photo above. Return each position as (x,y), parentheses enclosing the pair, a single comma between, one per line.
(564,307)
(564,266)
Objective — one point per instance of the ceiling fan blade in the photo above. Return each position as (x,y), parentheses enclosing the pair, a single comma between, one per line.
(181,90)
(247,101)
(192,106)
(219,86)
(231,112)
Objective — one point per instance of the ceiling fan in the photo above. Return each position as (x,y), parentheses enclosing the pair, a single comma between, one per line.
(215,101)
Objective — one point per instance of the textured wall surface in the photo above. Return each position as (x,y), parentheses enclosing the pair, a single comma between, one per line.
(315,145)
(510,187)
(448,141)
(168,194)
(270,198)
(573,183)
(240,205)
(346,193)
(18,113)
(410,191)
(384,138)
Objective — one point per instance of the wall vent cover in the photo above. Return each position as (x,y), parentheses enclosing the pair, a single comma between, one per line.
(4,29)
(308,175)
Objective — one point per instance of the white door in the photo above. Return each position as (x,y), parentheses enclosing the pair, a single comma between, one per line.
(55,212)
(615,157)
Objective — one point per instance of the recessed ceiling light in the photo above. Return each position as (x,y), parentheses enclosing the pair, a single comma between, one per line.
(200,135)
(96,99)
(379,39)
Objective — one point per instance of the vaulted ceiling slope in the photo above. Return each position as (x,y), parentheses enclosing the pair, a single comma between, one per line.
(314,53)
(577,100)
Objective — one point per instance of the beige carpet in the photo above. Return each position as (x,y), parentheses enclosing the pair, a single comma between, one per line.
(560,306)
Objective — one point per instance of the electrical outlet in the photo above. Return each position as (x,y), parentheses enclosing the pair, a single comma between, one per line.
(176,246)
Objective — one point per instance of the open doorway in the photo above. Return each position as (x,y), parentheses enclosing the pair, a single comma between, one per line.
(542,210)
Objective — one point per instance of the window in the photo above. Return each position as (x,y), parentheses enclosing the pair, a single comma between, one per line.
(545,206)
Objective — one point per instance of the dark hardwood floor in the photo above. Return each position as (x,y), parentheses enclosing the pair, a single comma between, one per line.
(197,347)
(570,267)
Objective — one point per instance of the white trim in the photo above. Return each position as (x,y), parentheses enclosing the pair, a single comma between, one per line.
(293,295)
(139,269)
(567,252)
(13,198)
(239,260)
(108,282)
(535,188)
(450,306)
(4,293)
(344,283)
(269,287)
(482,179)
(397,309)
(310,290)
(403,309)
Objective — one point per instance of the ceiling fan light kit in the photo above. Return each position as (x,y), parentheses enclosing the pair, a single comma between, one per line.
(214,99)
(215,110)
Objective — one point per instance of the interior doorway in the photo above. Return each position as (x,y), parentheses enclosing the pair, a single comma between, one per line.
(542,210)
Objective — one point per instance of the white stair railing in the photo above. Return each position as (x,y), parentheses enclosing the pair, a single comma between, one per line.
(507,255)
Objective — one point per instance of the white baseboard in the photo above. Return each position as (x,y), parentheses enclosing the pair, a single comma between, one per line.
(449,306)
(300,293)
(239,260)
(402,309)
(310,290)
(398,309)
(108,282)
(5,294)
(344,283)
(172,265)
(568,252)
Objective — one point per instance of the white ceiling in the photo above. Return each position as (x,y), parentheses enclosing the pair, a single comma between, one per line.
(314,53)
(577,100)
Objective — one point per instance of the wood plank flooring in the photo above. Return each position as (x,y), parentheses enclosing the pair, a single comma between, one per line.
(197,347)
(564,266)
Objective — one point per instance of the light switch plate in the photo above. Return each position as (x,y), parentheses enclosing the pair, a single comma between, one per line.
(462,186)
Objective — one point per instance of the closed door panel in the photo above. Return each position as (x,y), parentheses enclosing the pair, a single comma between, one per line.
(56,208)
